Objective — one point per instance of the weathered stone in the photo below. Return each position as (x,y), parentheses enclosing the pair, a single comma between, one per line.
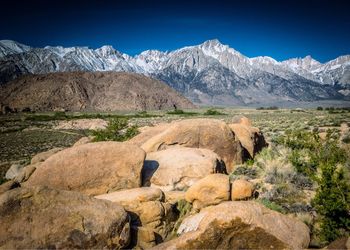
(41,217)
(178,168)
(44,155)
(200,133)
(142,238)
(13,171)
(250,137)
(93,168)
(146,207)
(210,190)
(239,225)
(241,189)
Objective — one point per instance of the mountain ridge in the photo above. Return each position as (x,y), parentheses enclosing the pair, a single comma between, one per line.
(206,73)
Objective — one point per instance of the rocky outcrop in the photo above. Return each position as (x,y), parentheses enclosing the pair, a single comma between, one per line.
(210,190)
(239,225)
(178,168)
(93,168)
(40,217)
(241,189)
(151,218)
(98,91)
(200,133)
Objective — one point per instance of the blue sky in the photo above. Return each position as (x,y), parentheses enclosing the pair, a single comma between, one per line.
(280,29)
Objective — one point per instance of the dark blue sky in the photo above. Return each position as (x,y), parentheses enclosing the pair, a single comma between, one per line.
(281,29)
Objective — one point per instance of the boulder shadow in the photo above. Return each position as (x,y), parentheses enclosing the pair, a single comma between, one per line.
(148,170)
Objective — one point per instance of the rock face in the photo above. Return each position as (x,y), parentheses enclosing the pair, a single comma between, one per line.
(178,168)
(200,133)
(239,225)
(210,190)
(93,168)
(148,210)
(250,137)
(100,91)
(41,218)
(241,189)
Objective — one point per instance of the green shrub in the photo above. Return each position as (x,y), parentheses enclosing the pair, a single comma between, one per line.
(184,208)
(181,112)
(176,112)
(319,108)
(213,112)
(116,130)
(271,205)
(323,162)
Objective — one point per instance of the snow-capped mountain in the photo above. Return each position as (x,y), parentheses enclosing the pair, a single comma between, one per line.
(209,73)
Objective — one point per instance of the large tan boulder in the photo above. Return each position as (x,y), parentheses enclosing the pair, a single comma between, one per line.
(148,210)
(200,133)
(241,189)
(178,168)
(239,225)
(40,157)
(93,168)
(44,218)
(250,137)
(210,190)
(148,132)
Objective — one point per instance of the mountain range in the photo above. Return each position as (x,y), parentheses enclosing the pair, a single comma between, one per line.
(209,74)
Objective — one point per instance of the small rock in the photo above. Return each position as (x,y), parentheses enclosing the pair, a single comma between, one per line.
(210,190)
(241,189)
(13,171)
